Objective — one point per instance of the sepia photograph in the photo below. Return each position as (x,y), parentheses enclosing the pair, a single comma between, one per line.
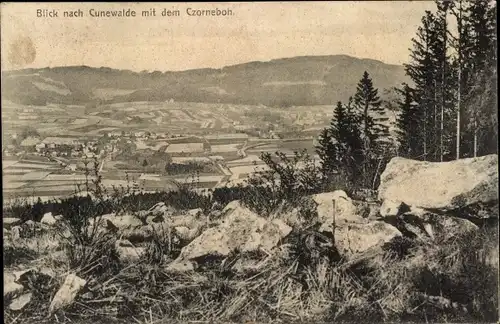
(250,162)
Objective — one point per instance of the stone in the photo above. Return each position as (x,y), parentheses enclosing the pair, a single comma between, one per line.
(186,233)
(392,208)
(118,224)
(161,209)
(127,252)
(429,226)
(335,206)
(11,289)
(16,232)
(195,212)
(67,293)
(353,239)
(441,185)
(241,230)
(181,266)
(9,222)
(20,302)
(48,219)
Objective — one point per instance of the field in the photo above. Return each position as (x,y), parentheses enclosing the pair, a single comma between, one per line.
(194,132)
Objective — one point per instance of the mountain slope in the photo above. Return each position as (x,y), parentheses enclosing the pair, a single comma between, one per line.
(307,80)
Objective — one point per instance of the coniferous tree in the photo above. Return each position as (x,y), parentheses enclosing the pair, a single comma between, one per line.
(368,103)
(408,123)
(340,146)
(481,58)
(327,154)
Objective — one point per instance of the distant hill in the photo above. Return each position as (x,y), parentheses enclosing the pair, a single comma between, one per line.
(297,81)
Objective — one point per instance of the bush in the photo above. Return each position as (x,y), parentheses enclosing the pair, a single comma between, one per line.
(288,180)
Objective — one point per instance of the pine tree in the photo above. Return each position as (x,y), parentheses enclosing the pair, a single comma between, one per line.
(327,154)
(368,102)
(431,71)
(340,147)
(480,59)
(408,123)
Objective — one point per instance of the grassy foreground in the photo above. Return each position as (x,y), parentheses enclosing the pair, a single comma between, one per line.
(440,281)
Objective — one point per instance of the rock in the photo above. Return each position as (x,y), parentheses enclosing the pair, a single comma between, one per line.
(9,222)
(189,221)
(391,208)
(20,302)
(30,226)
(353,239)
(16,232)
(58,218)
(427,225)
(335,206)
(127,252)
(370,210)
(241,230)
(22,275)
(161,209)
(441,185)
(186,233)
(441,303)
(181,266)
(114,222)
(11,289)
(67,293)
(48,219)
(195,212)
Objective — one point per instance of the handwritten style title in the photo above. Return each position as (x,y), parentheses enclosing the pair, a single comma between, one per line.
(126,13)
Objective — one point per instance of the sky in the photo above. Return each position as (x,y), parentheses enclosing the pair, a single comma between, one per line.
(260,31)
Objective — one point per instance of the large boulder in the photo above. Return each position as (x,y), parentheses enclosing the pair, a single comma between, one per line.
(440,185)
(242,230)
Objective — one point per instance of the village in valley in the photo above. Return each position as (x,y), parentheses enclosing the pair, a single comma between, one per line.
(155,146)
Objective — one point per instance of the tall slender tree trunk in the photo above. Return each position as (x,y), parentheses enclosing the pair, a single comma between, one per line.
(425,133)
(458,106)
(435,130)
(459,23)
(443,88)
(476,125)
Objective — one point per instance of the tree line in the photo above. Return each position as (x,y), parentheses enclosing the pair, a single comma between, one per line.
(448,110)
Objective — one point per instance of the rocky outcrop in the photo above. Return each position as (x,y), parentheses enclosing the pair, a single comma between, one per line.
(440,185)
(241,230)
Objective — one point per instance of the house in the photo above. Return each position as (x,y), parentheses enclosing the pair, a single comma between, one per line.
(185,148)
(53,142)
(40,146)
